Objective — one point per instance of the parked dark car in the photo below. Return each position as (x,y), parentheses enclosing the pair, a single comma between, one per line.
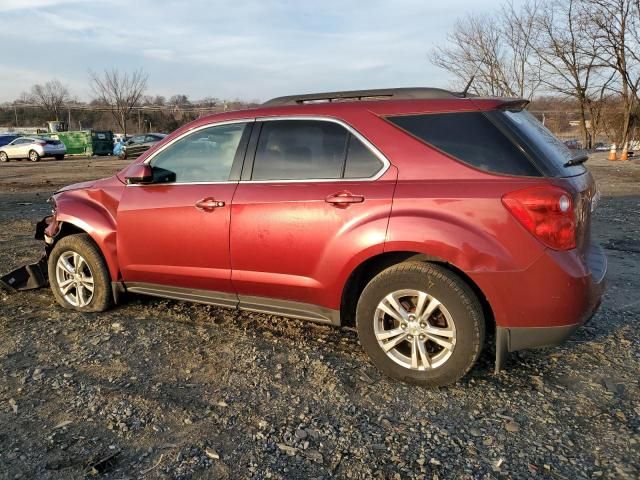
(139,144)
(573,144)
(424,216)
(6,139)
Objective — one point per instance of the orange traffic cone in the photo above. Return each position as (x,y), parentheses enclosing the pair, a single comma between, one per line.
(625,152)
(612,152)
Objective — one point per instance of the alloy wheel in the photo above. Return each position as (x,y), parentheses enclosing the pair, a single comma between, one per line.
(75,279)
(414,329)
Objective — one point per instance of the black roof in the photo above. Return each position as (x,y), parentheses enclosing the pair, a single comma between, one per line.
(420,93)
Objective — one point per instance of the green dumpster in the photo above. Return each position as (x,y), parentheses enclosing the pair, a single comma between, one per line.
(85,142)
(102,142)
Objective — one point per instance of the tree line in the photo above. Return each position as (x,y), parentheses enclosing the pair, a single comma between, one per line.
(119,100)
(585,51)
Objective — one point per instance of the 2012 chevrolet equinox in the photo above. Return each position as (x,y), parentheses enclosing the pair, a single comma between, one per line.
(427,216)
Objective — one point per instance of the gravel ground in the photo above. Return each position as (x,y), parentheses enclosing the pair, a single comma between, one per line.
(165,389)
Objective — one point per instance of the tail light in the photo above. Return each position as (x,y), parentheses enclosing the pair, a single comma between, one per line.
(42,143)
(547,212)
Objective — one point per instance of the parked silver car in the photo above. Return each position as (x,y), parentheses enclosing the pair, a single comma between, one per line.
(33,148)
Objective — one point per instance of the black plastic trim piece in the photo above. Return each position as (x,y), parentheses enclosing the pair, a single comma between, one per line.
(241,152)
(272,306)
(117,290)
(523,338)
(27,277)
(250,155)
(288,308)
(419,93)
(220,299)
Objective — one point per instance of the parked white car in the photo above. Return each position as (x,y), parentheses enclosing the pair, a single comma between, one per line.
(33,148)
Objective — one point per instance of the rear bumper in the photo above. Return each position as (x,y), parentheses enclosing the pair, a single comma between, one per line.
(51,151)
(578,304)
(559,289)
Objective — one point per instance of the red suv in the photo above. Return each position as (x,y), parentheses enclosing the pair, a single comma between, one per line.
(425,216)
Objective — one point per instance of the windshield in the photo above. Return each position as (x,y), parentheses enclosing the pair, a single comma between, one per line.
(547,147)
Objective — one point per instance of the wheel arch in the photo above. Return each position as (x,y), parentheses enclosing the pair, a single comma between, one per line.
(372,266)
(80,216)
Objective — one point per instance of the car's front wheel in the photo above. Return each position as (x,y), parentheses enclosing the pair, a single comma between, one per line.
(4,157)
(34,156)
(420,323)
(78,275)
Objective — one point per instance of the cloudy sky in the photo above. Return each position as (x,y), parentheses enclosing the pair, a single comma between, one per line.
(228,49)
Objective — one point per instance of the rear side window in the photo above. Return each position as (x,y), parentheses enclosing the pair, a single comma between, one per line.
(311,150)
(361,162)
(471,138)
(300,149)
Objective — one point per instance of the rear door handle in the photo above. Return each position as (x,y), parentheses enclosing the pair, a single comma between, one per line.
(208,204)
(344,199)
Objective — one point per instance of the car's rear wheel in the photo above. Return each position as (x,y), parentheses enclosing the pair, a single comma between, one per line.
(78,275)
(123,155)
(420,323)
(34,156)
(59,157)
(4,157)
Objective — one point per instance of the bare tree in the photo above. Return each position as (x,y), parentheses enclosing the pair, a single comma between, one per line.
(571,58)
(120,91)
(518,29)
(494,51)
(51,97)
(616,28)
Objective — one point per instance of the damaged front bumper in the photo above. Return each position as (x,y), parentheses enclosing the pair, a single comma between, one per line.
(34,275)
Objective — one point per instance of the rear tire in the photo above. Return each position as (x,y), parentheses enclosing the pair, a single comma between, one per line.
(4,157)
(420,323)
(79,276)
(59,157)
(34,156)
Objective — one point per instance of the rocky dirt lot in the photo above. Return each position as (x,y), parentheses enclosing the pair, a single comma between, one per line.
(165,389)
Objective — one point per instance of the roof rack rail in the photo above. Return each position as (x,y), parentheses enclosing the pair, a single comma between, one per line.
(379,94)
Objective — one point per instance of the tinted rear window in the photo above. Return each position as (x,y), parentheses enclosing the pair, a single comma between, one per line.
(471,138)
(547,148)
(299,150)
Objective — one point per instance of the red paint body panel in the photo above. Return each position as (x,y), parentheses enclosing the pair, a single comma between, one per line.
(282,240)
(164,239)
(287,242)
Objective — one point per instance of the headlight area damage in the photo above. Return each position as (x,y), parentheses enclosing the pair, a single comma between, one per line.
(34,275)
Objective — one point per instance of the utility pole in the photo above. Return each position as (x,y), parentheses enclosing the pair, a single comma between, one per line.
(15,112)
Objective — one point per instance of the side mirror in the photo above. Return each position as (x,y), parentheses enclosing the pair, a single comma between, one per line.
(140,173)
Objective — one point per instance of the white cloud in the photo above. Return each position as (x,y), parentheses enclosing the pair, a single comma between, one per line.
(8,5)
(226,48)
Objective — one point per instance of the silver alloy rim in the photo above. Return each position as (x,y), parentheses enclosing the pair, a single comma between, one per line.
(414,329)
(33,156)
(3,157)
(75,280)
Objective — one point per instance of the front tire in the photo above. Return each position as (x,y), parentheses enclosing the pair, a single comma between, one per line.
(34,156)
(78,275)
(420,323)
(4,157)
